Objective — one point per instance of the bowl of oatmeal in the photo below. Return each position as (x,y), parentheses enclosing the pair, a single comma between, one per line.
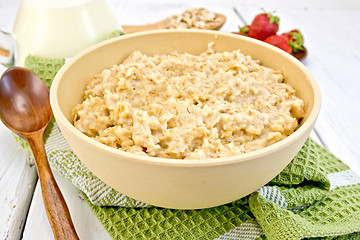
(185,119)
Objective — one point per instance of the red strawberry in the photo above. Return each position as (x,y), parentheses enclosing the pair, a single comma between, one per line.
(279,41)
(263,26)
(296,40)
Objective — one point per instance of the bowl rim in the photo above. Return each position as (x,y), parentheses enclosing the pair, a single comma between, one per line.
(60,117)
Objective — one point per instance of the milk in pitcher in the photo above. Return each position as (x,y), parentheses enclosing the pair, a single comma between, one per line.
(60,28)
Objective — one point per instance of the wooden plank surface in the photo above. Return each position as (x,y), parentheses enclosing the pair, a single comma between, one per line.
(86,223)
(17,183)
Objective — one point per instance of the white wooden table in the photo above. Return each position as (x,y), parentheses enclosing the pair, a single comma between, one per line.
(331,29)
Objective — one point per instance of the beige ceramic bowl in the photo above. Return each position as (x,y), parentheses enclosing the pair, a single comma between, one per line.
(173,183)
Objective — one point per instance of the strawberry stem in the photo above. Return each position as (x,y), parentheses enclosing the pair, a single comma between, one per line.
(296,41)
(272,18)
(244,29)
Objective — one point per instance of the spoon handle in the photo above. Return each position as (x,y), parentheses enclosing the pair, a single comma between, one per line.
(140,28)
(55,206)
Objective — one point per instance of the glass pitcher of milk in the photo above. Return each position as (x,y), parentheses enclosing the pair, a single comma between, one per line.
(60,28)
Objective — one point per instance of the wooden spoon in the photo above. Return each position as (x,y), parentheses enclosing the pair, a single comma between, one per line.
(220,20)
(25,109)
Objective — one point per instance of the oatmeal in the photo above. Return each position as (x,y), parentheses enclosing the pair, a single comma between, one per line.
(189,107)
(198,18)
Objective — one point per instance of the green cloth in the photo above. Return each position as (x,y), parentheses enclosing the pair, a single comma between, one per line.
(294,205)
(315,196)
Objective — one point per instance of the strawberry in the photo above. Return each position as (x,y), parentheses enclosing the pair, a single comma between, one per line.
(263,26)
(296,40)
(279,41)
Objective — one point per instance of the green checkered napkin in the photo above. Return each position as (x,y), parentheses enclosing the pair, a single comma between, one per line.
(315,196)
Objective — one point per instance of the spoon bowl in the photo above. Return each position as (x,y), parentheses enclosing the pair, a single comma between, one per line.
(23,95)
(25,109)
